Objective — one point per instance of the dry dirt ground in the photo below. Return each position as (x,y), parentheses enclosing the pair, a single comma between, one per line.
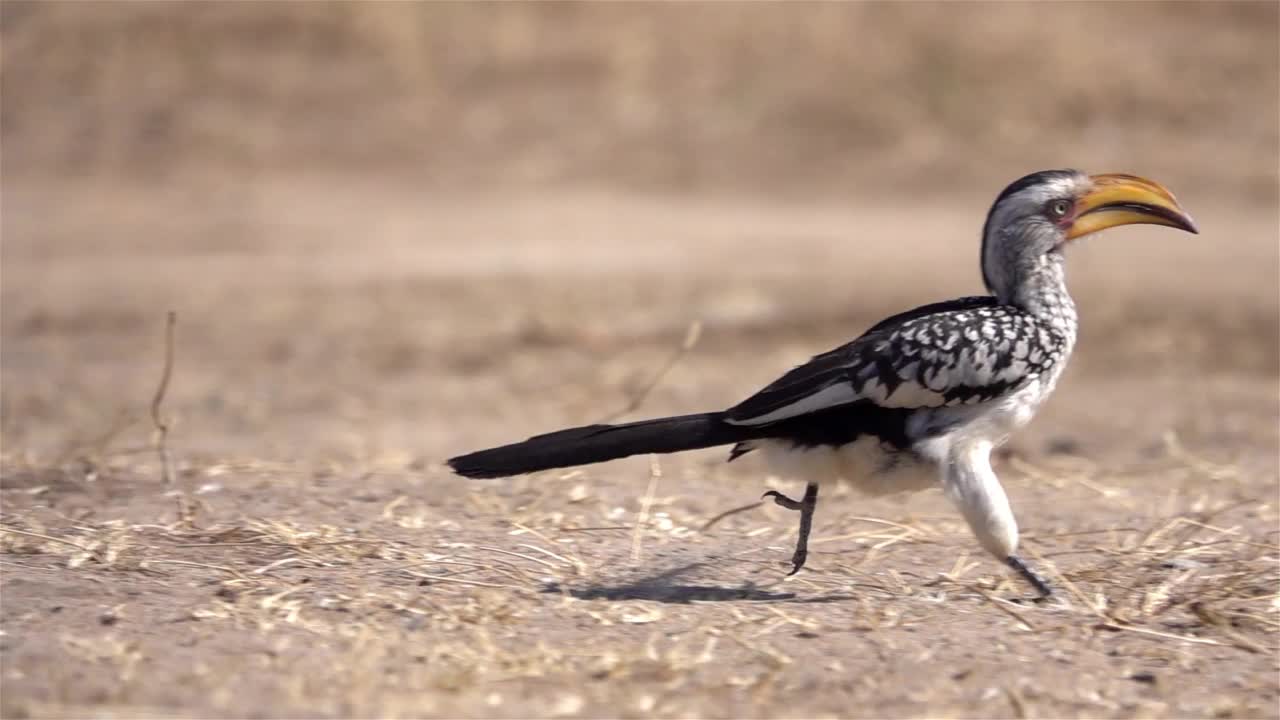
(336,341)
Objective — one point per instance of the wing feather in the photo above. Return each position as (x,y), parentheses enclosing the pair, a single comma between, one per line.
(962,351)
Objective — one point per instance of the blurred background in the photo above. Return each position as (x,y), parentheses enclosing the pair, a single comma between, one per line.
(389,212)
(396,232)
(829,98)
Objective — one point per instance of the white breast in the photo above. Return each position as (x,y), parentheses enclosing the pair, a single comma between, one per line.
(1017,408)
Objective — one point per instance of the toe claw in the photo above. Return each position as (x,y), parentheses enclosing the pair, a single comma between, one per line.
(1032,577)
(797,562)
(783,500)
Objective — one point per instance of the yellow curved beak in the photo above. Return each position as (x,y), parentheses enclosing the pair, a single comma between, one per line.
(1118,199)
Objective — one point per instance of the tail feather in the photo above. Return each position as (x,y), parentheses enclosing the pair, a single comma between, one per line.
(597,443)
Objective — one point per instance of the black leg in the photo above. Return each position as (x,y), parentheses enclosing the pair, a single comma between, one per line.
(806,507)
(1030,576)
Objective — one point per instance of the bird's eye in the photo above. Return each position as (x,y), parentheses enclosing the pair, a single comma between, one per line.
(1059,208)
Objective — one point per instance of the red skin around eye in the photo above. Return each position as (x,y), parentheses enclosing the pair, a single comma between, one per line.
(1066,220)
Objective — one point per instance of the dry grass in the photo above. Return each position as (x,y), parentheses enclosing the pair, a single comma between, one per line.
(545,614)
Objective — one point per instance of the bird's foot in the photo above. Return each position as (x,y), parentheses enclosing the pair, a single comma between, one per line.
(1031,576)
(783,500)
(806,508)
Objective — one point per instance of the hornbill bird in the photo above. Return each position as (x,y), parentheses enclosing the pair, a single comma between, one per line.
(919,399)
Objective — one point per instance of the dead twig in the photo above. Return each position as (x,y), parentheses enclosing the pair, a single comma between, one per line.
(519,555)
(1112,625)
(707,526)
(1212,618)
(1080,596)
(48,538)
(162,427)
(579,566)
(461,581)
(691,337)
(188,563)
(646,504)
(1006,607)
(875,521)
(1017,701)
(95,450)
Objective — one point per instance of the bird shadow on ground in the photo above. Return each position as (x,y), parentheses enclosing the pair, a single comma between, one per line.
(665,587)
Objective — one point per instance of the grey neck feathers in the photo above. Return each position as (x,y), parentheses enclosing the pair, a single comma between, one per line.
(1029,273)
(1042,289)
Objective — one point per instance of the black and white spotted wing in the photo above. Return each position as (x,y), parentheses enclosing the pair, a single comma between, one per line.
(958,352)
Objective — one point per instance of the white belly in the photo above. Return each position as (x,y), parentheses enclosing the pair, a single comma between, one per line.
(867,465)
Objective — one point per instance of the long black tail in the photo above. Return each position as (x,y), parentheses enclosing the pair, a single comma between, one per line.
(597,443)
